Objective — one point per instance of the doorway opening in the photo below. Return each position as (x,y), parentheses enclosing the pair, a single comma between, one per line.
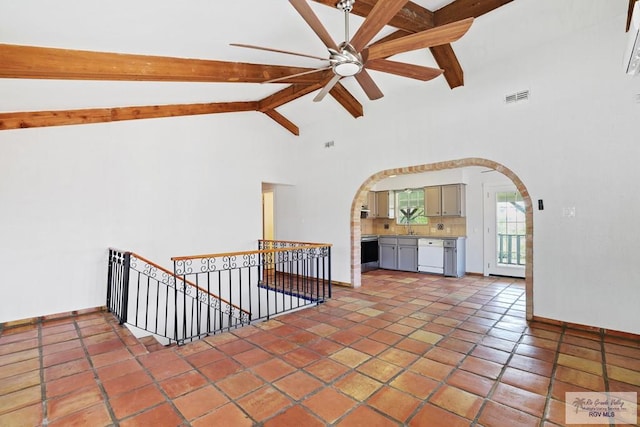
(361,196)
(505,249)
(268,220)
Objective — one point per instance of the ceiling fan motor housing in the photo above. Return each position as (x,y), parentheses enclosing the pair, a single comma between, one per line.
(347,62)
(345,5)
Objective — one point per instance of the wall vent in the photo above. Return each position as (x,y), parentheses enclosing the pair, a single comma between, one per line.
(523,95)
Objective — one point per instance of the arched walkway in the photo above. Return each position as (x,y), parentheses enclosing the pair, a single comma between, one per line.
(361,196)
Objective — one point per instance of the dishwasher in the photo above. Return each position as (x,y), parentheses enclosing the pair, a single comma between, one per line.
(431,256)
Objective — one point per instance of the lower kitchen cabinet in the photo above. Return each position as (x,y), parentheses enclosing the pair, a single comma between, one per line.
(407,253)
(388,257)
(399,253)
(454,257)
(408,258)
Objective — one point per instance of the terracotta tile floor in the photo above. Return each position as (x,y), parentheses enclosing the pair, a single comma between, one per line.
(405,349)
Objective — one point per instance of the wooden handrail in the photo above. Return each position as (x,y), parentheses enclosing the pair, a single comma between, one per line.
(254,252)
(172,274)
(295,242)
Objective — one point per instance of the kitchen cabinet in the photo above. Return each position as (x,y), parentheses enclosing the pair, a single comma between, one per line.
(388,253)
(378,204)
(407,254)
(398,253)
(433,201)
(445,200)
(371,202)
(454,257)
(382,204)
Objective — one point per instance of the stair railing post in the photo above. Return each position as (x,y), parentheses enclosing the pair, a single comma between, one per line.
(329,268)
(109,279)
(125,287)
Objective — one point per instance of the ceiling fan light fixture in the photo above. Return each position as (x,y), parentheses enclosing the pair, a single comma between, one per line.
(346,62)
(347,69)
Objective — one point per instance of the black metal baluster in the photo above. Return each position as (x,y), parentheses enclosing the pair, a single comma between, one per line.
(125,287)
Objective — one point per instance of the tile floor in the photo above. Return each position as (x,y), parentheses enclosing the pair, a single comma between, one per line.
(405,349)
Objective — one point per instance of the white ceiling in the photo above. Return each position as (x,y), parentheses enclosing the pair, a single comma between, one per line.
(204,29)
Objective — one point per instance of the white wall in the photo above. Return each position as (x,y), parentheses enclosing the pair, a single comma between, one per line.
(574,144)
(160,188)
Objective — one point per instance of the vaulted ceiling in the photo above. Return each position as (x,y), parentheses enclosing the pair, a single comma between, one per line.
(163,42)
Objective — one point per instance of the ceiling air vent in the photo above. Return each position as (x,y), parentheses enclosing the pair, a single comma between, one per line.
(523,95)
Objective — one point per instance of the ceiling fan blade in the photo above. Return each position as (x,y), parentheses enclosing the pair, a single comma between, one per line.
(434,37)
(325,90)
(268,49)
(317,70)
(411,71)
(312,20)
(380,15)
(368,85)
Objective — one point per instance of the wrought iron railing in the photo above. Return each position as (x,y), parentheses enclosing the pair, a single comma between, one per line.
(512,249)
(280,276)
(206,294)
(152,298)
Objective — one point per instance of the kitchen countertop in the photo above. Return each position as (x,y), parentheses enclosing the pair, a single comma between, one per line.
(417,236)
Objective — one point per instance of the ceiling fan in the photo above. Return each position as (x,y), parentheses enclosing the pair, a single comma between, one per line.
(353,57)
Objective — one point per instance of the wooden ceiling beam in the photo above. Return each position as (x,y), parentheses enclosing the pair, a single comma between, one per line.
(33,119)
(348,101)
(463,9)
(630,13)
(412,17)
(448,61)
(30,62)
(288,94)
(283,121)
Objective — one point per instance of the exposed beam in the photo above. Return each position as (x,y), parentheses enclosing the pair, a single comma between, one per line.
(348,101)
(463,9)
(448,61)
(412,17)
(630,13)
(283,121)
(34,119)
(30,62)
(288,94)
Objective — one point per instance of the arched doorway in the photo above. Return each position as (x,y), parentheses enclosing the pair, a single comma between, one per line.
(361,196)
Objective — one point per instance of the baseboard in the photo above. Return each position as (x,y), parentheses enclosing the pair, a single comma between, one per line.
(341,284)
(578,326)
(49,317)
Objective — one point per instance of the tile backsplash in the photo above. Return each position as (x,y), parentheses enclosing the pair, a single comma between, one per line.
(451,226)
